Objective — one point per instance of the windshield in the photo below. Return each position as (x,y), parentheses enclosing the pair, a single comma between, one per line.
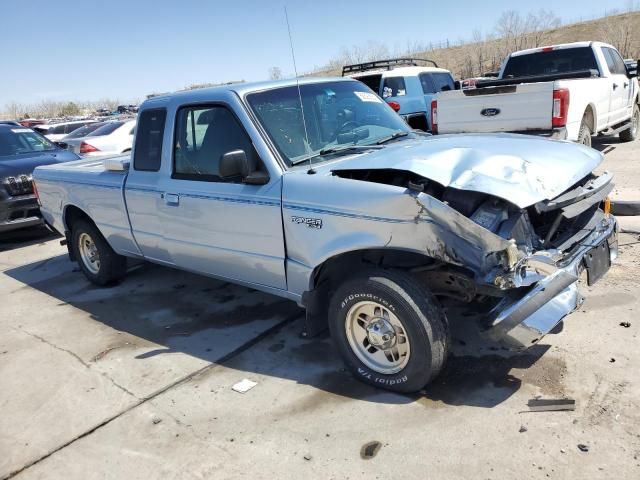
(16,141)
(336,114)
(106,129)
(550,62)
(83,131)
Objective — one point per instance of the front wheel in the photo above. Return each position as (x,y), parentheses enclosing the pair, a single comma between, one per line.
(97,260)
(630,134)
(390,331)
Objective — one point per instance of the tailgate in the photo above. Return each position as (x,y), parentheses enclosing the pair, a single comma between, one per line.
(509,108)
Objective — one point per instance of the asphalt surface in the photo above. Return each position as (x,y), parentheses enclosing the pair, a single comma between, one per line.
(134,381)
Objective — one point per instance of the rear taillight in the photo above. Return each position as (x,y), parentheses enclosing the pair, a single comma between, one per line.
(86,148)
(434,116)
(35,192)
(560,107)
(394,105)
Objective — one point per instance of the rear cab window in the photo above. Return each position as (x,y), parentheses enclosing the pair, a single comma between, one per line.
(148,142)
(562,60)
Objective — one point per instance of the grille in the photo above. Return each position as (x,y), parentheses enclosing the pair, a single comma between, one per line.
(19,185)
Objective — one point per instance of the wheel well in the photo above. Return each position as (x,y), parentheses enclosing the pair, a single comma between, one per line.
(436,275)
(72,214)
(589,118)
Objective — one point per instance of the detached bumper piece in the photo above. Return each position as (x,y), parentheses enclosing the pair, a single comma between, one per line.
(521,320)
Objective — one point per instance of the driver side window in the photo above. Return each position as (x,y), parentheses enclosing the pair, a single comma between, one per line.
(203,136)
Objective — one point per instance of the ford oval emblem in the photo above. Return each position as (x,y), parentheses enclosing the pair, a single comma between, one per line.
(490,112)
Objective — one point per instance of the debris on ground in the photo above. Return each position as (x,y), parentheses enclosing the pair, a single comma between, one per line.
(583,448)
(156,420)
(612,360)
(551,405)
(370,450)
(522,429)
(307,457)
(625,324)
(244,385)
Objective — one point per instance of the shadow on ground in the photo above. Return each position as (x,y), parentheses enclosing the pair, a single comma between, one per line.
(171,311)
(605,144)
(24,237)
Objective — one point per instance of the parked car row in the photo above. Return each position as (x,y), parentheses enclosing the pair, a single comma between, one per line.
(570,91)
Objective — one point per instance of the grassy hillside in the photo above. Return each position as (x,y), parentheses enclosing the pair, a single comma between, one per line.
(472,59)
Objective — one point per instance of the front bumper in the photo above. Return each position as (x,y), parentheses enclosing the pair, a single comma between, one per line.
(19,212)
(521,320)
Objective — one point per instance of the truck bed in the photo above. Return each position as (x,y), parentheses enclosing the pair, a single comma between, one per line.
(89,186)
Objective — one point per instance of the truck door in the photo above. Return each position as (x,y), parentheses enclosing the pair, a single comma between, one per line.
(621,87)
(214,225)
(142,192)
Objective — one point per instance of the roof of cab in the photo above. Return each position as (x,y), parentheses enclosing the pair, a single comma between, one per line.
(240,89)
(560,46)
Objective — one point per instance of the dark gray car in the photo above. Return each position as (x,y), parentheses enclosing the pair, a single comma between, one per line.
(22,150)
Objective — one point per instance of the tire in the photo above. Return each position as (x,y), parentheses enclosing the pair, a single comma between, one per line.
(584,135)
(631,134)
(107,267)
(421,340)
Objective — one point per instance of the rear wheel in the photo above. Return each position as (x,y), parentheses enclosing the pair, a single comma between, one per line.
(97,260)
(584,135)
(390,332)
(631,133)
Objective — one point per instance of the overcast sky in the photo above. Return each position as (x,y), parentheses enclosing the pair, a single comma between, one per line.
(88,50)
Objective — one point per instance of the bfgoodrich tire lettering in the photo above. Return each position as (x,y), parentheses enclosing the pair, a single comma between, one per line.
(412,310)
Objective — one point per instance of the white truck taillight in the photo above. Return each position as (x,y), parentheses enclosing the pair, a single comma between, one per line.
(560,107)
(434,116)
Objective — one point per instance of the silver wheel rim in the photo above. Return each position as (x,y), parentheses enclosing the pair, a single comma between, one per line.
(89,253)
(377,337)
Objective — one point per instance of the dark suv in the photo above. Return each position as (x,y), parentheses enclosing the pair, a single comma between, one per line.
(22,150)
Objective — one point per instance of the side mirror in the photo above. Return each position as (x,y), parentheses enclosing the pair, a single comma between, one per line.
(237,164)
(62,145)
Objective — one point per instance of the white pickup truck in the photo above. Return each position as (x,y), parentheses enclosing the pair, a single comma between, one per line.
(570,91)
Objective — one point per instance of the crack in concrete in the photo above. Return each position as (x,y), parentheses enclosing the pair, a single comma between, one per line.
(245,346)
(77,357)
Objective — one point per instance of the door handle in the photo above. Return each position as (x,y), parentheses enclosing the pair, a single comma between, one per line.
(615,85)
(626,84)
(171,199)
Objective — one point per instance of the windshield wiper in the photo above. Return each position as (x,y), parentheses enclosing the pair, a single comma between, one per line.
(392,137)
(336,150)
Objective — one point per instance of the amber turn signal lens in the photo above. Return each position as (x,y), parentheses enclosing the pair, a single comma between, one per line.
(606,206)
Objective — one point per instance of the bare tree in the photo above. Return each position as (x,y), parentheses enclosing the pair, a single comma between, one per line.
(619,32)
(538,26)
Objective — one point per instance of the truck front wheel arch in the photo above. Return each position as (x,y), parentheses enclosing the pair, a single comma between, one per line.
(328,276)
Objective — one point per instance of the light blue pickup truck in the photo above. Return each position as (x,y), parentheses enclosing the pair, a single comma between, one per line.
(321,194)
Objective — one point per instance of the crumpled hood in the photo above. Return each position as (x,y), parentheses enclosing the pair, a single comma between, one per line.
(521,169)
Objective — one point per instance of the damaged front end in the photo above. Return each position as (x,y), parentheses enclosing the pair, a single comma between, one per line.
(575,236)
(518,265)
